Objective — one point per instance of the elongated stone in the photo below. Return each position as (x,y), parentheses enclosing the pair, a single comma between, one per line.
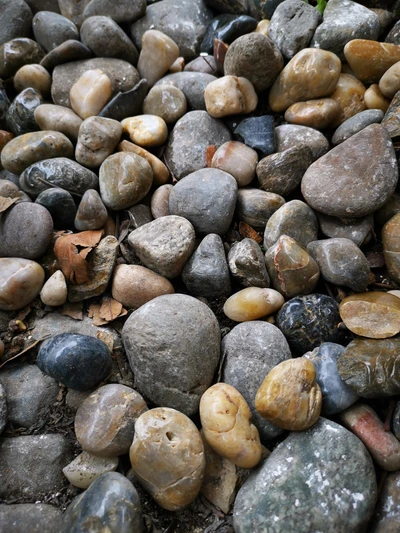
(20,282)
(126,104)
(319,113)
(58,118)
(66,52)
(369,60)
(90,93)
(157,55)
(252,303)
(86,468)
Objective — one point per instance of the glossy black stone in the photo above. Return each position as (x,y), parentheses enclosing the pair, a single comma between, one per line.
(308,321)
(7,175)
(77,361)
(4,105)
(258,133)
(110,504)
(227,28)
(60,205)
(20,115)
(127,104)
(70,50)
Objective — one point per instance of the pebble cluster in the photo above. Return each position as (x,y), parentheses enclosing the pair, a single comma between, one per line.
(200,261)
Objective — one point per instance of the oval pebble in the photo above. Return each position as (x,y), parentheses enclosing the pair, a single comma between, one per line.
(20,282)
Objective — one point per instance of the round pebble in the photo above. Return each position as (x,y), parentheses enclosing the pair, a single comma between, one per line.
(34,76)
(147,131)
(238,160)
(253,303)
(165,101)
(20,282)
(55,291)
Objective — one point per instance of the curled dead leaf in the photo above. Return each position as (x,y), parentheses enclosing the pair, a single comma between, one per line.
(247,231)
(5,203)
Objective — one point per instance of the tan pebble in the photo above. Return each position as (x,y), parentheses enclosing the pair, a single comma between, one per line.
(178,65)
(263,27)
(158,54)
(374,99)
(135,285)
(238,160)
(85,468)
(8,189)
(165,101)
(20,282)
(34,76)
(226,421)
(253,303)
(90,93)
(160,201)
(349,94)
(395,293)
(55,290)
(160,171)
(391,246)
(317,114)
(289,396)
(147,131)
(310,74)
(98,138)
(389,84)
(230,95)
(58,118)
(167,456)
(371,59)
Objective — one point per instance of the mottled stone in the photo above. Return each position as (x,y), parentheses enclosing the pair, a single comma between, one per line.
(247,265)
(91,213)
(255,207)
(369,60)
(20,114)
(356,229)
(349,94)
(20,282)
(34,517)
(290,473)
(192,84)
(252,303)
(126,104)
(58,118)
(66,52)
(61,206)
(148,131)
(15,20)
(86,468)
(77,361)
(51,29)
(353,125)
(34,76)
(290,135)
(124,11)
(98,138)
(257,133)
(230,95)
(110,502)
(17,53)
(172,343)
(160,171)
(167,102)
(319,113)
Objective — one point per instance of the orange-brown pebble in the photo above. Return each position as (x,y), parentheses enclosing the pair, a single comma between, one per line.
(349,94)
(369,60)
(253,303)
(374,99)
(317,114)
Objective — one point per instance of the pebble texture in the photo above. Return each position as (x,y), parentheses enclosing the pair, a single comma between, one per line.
(32,517)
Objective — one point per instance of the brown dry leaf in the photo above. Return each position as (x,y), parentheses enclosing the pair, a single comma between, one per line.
(210,151)
(73,310)
(94,314)
(23,351)
(107,338)
(247,231)
(110,309)
(72,250)
(5,203)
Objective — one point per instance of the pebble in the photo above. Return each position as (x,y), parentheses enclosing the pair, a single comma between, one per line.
(58,118)
(66,52)
(391,120)
(252,303)
(293,271)
(124,11)
(349,94)
(86,468)
(54,292)
(230,95)
(105,38)
(289,396)
(369,367)
(98,138)
(4,105)
(192,84)
(281,173)
(77,361)
(391,249)
(207,199)
(26,230)
(290,135)
(20,282)
(250,350)
(206,272)
(90,93)
(135,285)
(374,99)
(160,171)
(388,211)
(389,83)
(369,59)
(147,131)
(238,160)
(298,80)
(183,333)
(52,29)
(344,183)
(290,473)
(20,114)
(91,213)
(17,53)
(30,148)
(158,54)
(256,58)
(383,446)
(160,201)
(263,27)
(60,172)
(293,25)
(361,314)
(341,262)
(227,28)
(111,503)
(35,77)
(3,410)
(354,124)
(105,420)
(124,179)
(164,245)
(226,421)
(307,321)
(319,113)
(15,20)
(336,394)
(255,207)
(36,517)
(30,394)
(247,264)
(294,219)
(167,457)
(202,64)
(126,104)
(73,10)
(167,102)
(257,133)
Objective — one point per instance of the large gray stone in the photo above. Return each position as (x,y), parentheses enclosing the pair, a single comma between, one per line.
(326,469)
(173,347)
(51,29)
(15,20)
(121,11)
(32,517)
(250,351)
(192,84)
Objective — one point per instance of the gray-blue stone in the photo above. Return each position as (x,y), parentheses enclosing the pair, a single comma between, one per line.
(61,206)
(258,133)
(77,361)
(20,114)
(192,84)
(52,29)
(357,123)
(336,395)
(15,20)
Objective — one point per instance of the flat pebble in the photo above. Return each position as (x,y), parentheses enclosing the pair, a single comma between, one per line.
(147,131)
(20,282)
(192,84)
(124,11)
(354,124)
(319,113)
(389,84)
(98,137)
(54,292)
(86,468)
(157,55)
(247,264)
(165,101)
(253,303)
(15,20)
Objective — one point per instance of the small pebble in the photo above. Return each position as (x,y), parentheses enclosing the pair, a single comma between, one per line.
(157,55)
(317,114)
(160,171)
(86,468)
(374,99)
(34,76)
(17,53)
(91,213)
(20,114)
(238,160)
(160,201)
(21,280)
(253,303)
(90,93)
(58,118)
(349,94)
(257,133)
(391,248)
(147,131)
(54,291)
(230,95)
(165,101)
(98,137)
(247,264)
(61,206)
(389,84)
(255,207)
(290,135)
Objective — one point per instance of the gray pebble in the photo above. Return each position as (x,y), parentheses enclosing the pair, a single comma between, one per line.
(15,20)
(359,230)
(65,52)
(20,114)
(51,29)
(91,213)
(192,84)
(255,207)
(247,264)
(289,135)
(167,102)
(357,123)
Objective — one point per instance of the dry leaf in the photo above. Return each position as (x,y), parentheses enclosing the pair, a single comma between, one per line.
(107,338)
(23,351)
(247,231)
(210,151)
(110,309)
(71,252)
(73,310)
(5,203)
(94,314)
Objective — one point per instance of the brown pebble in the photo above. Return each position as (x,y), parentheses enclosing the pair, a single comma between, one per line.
(317,114)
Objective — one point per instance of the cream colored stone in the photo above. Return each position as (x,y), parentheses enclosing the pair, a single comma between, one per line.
(310,74)
(160,171)
(55,291)
(238,160)
(389,84)
(90,93)
(230,95)
(263,27)
(158,54)
(20,282)
(85,468)
(34,76)
(317,114)
(374,99)
(58,118)
(147,131)
(177,66)
(226,420)
(349,94)
(370,60)
(160,201)
(253,303)
(98,138)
